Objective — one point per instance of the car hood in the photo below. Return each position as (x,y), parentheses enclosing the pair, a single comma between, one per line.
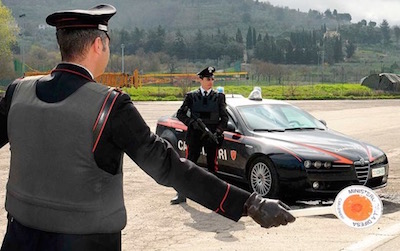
(328,143)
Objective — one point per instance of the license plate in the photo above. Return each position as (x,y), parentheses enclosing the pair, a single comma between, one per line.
(376,172)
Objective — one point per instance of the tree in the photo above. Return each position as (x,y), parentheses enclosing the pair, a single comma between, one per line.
(332,45)
(263,49)
(246,18)
(249,39)
(125,38)
(328,13)
(396,31)
(234,51)
(385,30)
(337,50)
(179,47)
(155,40)
(7,39)
(198,49)
(254,37)
(350,48)
(239,37)
(41,58)
(138,39)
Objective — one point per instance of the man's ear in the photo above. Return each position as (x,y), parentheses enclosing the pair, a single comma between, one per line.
(98,45)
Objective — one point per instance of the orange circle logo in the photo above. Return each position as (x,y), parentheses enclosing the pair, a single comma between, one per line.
(357,208)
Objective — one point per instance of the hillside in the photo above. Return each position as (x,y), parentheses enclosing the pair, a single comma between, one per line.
(137,24)
(185,15)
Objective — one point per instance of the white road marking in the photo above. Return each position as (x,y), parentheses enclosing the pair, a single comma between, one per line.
(374,240)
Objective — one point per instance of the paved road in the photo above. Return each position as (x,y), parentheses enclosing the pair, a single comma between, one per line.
(155,225)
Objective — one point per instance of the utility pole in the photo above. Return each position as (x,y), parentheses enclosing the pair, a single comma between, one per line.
(323,62)
(123,58)
(22,48)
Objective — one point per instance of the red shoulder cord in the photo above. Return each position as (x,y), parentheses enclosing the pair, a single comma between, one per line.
(103,116)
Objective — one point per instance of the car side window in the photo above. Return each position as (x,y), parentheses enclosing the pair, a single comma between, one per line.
(232,121)
(231,116)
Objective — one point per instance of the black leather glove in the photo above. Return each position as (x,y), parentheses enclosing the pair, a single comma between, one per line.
(219,135)
(267,212)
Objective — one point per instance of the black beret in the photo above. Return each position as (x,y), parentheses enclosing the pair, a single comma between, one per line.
(93,18)
(207,72)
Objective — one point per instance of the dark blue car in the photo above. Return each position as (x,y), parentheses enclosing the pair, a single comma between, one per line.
(278,149)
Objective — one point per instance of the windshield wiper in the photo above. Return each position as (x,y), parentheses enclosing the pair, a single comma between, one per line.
(303,128)
(268,130)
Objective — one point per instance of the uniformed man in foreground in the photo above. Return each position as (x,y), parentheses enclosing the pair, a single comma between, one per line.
(206,106)
(67,136)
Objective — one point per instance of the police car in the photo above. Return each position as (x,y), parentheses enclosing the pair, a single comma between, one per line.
(278,150)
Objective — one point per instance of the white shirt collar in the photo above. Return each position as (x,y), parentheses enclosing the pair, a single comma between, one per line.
(202,91)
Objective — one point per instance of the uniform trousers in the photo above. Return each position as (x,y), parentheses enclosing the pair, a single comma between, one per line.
(195,143)
(21,238)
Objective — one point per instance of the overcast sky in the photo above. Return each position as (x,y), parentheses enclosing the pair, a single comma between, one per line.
(370,10)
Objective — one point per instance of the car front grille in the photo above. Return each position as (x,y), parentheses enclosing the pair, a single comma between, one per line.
(362,173)
(363,168)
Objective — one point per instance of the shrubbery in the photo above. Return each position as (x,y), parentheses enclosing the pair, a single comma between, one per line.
(293,92)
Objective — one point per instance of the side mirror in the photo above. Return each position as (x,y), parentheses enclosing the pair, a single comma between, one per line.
(230,127)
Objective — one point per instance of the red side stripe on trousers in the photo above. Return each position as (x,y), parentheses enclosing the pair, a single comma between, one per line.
(216,160)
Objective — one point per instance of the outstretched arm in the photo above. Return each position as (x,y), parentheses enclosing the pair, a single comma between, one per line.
(158,159)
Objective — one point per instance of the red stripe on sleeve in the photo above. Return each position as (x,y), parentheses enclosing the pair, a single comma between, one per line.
(223,199)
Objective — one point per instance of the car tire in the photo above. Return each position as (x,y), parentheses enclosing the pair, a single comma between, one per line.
(263,178)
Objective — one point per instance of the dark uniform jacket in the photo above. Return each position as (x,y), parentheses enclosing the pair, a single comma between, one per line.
(188,117)
(127,132)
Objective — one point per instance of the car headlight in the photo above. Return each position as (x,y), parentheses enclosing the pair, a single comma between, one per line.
(379,160)
(327,165)
(317,164)
(307,163)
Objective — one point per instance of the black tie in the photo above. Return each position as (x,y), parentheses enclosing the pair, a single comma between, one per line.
(205,98)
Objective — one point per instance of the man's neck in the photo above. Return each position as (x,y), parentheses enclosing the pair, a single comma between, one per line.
(202,90)
(91,74)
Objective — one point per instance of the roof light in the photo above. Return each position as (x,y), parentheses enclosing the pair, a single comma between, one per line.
(220,89)
(255,94)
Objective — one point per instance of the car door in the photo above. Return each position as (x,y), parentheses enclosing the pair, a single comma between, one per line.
(233,154)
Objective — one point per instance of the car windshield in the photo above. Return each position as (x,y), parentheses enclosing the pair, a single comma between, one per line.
(278,117)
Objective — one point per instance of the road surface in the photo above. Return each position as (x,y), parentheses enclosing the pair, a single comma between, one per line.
(153,224)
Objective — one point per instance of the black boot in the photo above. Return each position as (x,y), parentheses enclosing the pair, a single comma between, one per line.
(178,199)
